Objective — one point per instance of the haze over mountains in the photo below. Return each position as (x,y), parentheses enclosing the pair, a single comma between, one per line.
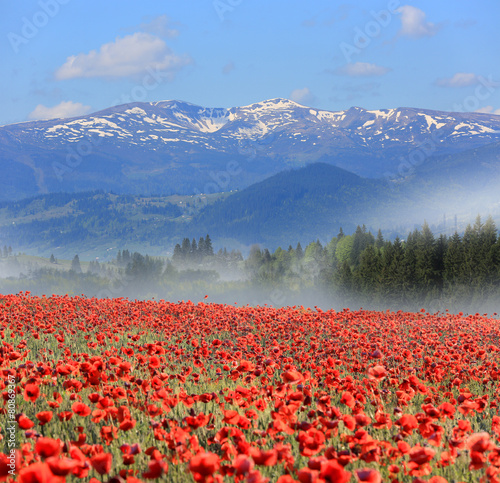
(299,173)
(175,147)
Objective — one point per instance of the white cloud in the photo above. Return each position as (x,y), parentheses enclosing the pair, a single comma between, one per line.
(414,23)
(161,26)
(125,57)
(302,96)
(488,110)
(460,79)
(62,110)
(361,69)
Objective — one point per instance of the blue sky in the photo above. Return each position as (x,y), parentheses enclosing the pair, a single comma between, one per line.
(62,58)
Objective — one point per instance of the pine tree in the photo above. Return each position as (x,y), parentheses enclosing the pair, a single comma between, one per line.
(52,259)
(361,240)
(487,240)
(125,257)
(193,251)
(208,246)
(425,270)
(440,251)
(202,250)
(75,264)
(453,261)
(185,247)
(357,246)
(254,260)
(177,255)
(343,280)
(368,272)
(299,252)
(470,243)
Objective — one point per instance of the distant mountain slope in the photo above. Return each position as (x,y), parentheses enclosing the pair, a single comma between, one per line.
(175,147)
(295,205)
(301,204)
(456,168)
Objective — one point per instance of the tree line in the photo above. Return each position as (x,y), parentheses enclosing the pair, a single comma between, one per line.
(421,270)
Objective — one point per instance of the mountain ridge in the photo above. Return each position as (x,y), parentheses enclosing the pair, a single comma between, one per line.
(177,147)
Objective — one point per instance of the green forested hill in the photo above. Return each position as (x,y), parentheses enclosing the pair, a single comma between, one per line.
(296,205)
(311,202)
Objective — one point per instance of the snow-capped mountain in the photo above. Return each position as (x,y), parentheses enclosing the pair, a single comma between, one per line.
(173,146)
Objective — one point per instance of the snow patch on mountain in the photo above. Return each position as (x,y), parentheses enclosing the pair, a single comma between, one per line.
(160,125)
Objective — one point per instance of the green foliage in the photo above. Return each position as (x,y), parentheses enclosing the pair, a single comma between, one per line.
(359,269)
(344,248)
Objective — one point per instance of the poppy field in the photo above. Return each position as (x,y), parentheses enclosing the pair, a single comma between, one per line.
(112,390)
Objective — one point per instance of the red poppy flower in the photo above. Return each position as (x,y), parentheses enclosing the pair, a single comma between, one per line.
(24,422)
(348,399)
(44,417)
(447,410)
(6,464)
(38,473)
(407,423)
(362,420)
(81,409)
(127,424)
(62,466)
(31,392)
(65,415)
(286,479)
(369,475)
(264,458)
(292,377)
(311,442)
(205,464)
(47,447)
(102,463)
(332,472)
(307,475)
(231,417)
(243,464)
(377,373)
(479,442)
(156,468)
